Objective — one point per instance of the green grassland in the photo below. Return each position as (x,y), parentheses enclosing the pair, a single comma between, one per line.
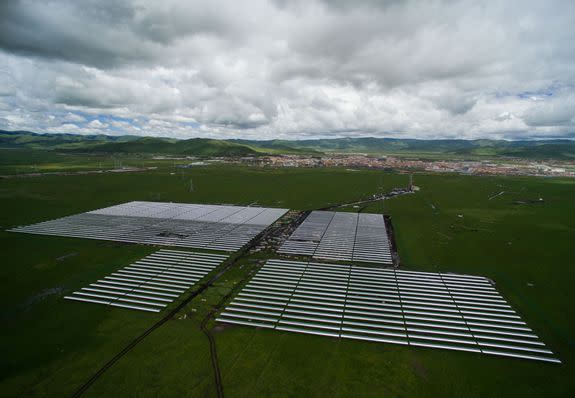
(18,161)
(50,346)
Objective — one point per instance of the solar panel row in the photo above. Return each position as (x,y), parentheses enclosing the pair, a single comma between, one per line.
(455,312)
(226,228)
(371,240)
(151,283)
(196,212)
(341,236)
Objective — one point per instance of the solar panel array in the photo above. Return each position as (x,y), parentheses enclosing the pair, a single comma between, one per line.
(446,311)
(150,284)
(226,228)
(341,236)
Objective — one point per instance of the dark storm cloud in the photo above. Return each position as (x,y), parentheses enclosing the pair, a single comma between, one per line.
(91,32)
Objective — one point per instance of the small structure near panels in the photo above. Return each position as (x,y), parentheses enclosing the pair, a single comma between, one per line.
(341,236)
(423,309)
(151,283)
(214,227)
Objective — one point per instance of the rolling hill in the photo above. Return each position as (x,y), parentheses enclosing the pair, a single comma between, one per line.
(194,146)
(545,149)
(123,144)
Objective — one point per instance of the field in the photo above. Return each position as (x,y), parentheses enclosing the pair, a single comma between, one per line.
(50,346)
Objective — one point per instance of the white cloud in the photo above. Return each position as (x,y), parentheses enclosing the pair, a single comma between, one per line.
(73,117)
(289,69)
(96,124)
(558,110)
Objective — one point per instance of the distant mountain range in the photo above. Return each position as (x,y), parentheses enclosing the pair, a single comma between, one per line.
(136,144)
(548,149)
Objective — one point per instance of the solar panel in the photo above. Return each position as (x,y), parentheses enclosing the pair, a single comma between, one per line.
(153,287)
(225,228)
(433,310)
(341,236)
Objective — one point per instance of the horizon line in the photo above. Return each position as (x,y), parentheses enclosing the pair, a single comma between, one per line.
(295,139)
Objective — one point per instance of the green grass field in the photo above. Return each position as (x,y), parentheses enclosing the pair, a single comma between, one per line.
(50,346)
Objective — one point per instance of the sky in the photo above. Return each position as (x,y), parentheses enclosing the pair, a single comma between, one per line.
(289,69)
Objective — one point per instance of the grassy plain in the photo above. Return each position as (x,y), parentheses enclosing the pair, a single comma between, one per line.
(50,346)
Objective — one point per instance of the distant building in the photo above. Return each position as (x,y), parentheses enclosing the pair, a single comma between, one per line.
(193,164)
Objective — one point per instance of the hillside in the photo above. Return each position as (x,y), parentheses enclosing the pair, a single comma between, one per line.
(27,139)
(122,144)
(194,146)
(134,144)
(547,149)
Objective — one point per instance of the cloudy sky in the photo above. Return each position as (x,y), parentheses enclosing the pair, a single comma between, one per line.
(289,69)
